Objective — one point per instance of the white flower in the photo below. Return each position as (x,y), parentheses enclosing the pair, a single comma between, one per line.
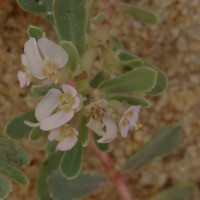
(129,120)
(56,108)
(100,122)
(66,137)
(42,59)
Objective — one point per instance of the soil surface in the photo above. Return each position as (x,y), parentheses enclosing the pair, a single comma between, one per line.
(173,45)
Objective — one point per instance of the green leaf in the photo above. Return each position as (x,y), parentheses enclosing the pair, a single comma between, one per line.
(16,128)
(12,153)
(70,21)
(71,162)
(5,187)
(140,14)
(132,63)
(125,56)
(35,32)
(162,143)
(130,100)
(98,78)
(73,56)
(178,192)
(141,79)
(32,6)
(35,133)
(39,7)
(105,147)
(83,132)
(51,146)
(89,8)
(41,90)
(62,189)
(161,81)
(13,173)
(50,164)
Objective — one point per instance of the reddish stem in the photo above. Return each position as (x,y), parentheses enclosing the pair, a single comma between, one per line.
(113,173)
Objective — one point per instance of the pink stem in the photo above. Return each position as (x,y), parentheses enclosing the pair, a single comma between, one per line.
(113,173)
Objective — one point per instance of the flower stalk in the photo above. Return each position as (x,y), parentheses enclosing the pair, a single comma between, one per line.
(113,173)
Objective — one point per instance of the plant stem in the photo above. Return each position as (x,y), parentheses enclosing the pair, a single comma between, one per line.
(113,173)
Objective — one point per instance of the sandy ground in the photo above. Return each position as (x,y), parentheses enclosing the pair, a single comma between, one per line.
(173,44)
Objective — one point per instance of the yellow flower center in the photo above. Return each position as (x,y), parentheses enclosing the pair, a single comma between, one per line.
(126,120)
(66,101)
(50,70)
(65,131)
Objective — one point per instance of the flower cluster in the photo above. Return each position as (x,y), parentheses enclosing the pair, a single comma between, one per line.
(103,121)
(42,60)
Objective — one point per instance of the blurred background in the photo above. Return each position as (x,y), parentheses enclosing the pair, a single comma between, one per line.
(173,44)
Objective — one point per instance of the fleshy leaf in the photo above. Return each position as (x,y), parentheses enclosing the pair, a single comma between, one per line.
(141,79)
(83,132)
(73,56)
(104,147)
(35,133)
(140,14)
(178,192)
(130,99)
(51,146)
(35,32)
(41,90)
(13,173)
(70,21)
(89,7)
(5,187)
(85,183)
(49,165)
(32,6)
(161,81)
(71,162)
(132,63)
(39,7)
(12,153)
(16,128)
(162,143)
(98,78)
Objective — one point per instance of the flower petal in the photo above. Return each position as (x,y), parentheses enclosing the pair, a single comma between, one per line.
(124,130)
(67,143)
(53,52)
(23,79)
(48,104)
(136,110)
(95,126)
(24,60)
(75,131)
(32,58)
(76,103)
(69,89)
(111,130)
(56,120)
(53,134)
